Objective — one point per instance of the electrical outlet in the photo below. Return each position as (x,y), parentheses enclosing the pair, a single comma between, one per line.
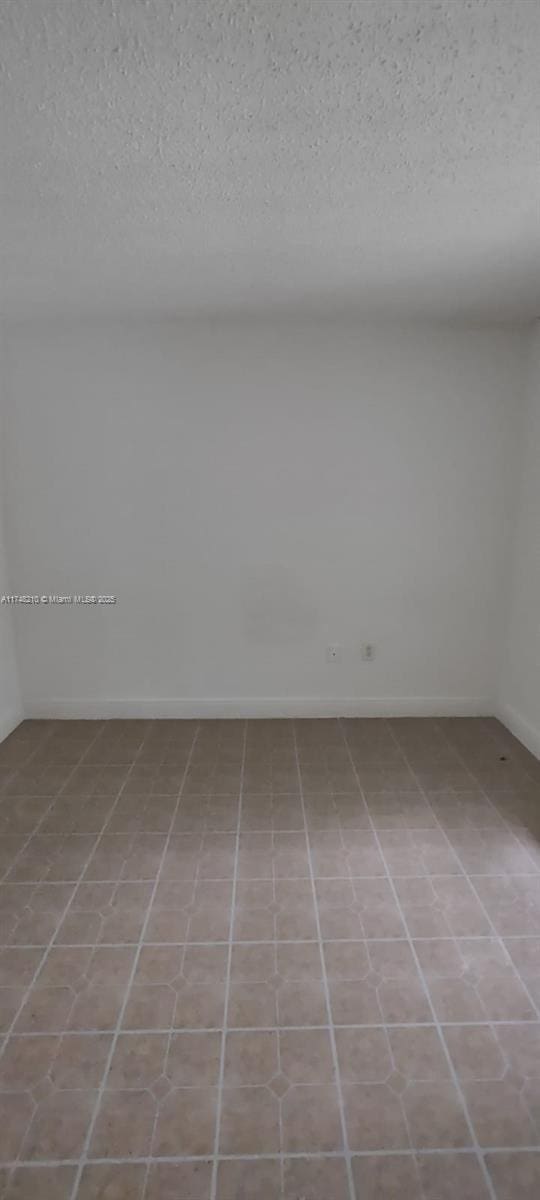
(367,651)
(333,654)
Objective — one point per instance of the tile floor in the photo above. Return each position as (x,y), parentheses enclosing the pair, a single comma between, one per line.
(250,960)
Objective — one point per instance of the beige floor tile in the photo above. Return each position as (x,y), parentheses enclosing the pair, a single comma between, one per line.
(301,1002)
(463,809)
(11,849)
(335,811)
(46,1010)
(373,982)
(306,1055)
(351,853)
(521,1046)
(441,906)
(374,1117)
(512,903)
(11,999)
(21,814)
(358,908)
(418,852)
(252,1004)
(363,1055)
(249,1121)
(418,1054)
(186,1123)
(472,981)
(97,1007)
(49,1183)
(249,1179)
(525,955)
(123,1181)
(40,780)
(149,1006)
(191,912)
(269,910)
(169,1181)
(446,1176)
(251,1058)
(316,1179)
(80,1060)
(386,1177)
(311,1120)
(18,966)
(124,1125)
(435,1115)
(126,856)
(59,1125)
(76,814)
(475,1051)
(397,808)
(138,1060)
(16,1111)
(199,1006)
(193,1059)
(490,851)
(30,913)
(112,913)
(499,1112)
(52,859)
(206,814)
(515,1176)
(26,1061)
(272,810)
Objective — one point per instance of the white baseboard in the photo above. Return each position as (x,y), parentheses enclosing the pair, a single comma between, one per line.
(522,729)
(256,706)
(9,722)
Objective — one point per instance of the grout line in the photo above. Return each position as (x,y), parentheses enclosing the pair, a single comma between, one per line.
(181,1087)
(100,1091)
(196,1029)
(453,1072)
(314,1156)
(169,1034)
(229,943)
(278,1048)
(337,1073)
(35,883)
(447,937)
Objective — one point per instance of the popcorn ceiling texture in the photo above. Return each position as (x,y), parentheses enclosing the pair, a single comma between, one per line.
(188,155)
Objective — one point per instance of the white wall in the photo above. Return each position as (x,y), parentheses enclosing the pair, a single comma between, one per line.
(520,680)
(251,492)
(10,697)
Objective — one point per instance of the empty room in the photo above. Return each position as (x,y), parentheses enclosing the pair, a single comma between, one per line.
(270,600)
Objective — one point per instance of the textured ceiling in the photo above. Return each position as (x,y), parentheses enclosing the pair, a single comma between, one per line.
(201,155)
